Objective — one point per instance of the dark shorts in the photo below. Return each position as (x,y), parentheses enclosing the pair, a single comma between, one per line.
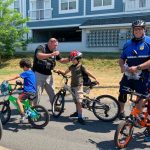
(27,95)
(140,86)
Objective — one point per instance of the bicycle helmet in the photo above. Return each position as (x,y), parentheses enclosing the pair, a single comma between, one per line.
(139,23)
(4,87)
(75,54)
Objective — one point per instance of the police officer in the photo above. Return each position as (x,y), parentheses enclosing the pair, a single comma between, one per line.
(45,58)
(135,52)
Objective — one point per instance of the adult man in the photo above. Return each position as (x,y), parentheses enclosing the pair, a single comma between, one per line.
(135,52)
(44,61)
(134,69)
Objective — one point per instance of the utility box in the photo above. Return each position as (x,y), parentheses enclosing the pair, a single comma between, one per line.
(122,39)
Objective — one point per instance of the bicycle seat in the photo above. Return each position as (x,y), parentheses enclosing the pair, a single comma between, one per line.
(93,83)
(31,96)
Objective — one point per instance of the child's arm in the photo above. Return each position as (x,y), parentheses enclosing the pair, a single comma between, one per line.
(63,72)
(16,77)
(89,74)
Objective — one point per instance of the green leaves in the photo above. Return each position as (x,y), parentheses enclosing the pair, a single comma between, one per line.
(12,28)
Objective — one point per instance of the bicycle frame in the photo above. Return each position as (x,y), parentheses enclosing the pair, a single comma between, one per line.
(66,87)
(13,100)
(135,112)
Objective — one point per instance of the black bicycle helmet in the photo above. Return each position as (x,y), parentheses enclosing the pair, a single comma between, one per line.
(139,23)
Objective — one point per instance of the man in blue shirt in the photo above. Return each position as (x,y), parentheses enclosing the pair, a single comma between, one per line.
(29,84)
(135,52)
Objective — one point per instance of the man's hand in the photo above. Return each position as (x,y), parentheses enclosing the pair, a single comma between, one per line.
(132,69)
(55,53)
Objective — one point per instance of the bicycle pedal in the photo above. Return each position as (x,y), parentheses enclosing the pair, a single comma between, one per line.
(76,118)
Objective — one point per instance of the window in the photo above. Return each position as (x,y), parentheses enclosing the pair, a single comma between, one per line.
(68,6)
(102,4)
(136,5)
(16,5)
(40,9)
(142,3)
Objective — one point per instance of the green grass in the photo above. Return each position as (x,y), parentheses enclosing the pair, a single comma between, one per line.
(104,66)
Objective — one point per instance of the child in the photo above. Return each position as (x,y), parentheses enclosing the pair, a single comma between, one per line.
(29,84)
(77,82)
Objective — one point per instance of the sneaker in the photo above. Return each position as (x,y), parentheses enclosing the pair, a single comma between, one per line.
(74,115)
(81,121)
(146,132)
(122,116)
(147,138)
(23,117)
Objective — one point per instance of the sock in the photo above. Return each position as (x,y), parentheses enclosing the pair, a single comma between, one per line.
(79,115)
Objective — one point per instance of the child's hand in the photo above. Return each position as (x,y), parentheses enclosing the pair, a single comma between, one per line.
(57,71)
(96,82)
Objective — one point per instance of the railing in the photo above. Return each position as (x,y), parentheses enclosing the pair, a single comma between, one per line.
(137,5)
(40,14)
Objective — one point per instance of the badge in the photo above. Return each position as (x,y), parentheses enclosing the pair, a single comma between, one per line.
(142,48)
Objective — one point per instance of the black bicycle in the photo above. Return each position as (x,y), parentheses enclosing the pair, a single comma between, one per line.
(104,107)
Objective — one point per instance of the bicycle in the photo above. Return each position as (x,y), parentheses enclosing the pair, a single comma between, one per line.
(37,115)
(124,131)
(104,107)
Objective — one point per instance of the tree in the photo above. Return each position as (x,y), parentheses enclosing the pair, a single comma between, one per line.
(12,29)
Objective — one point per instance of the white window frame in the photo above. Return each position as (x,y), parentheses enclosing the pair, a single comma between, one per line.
(135,6)
(102,7)
(69,11)
(44,8)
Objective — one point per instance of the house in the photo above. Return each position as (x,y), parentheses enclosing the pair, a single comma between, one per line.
(86,25)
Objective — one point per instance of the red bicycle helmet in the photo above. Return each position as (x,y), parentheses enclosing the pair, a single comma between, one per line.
(75,54)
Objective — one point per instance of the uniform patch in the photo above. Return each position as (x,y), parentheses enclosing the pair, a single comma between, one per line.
(141,47)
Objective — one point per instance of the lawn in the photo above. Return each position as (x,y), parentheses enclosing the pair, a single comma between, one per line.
(103,66)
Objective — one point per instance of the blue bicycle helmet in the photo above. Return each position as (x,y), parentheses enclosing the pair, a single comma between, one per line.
(4,88)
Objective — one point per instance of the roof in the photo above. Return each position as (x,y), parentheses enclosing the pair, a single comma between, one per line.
(117,20)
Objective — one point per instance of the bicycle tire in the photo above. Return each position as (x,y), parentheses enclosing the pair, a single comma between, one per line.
(58,105)
(125,133)
(106,108)
(1,130)
(5,112)
(43,119)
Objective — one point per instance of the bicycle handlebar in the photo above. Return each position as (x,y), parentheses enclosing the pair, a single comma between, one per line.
(60,73)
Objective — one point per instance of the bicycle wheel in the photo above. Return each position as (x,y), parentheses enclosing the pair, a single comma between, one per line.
(106,108)
(40,118)
(58,105)
(1,130)
(123,134)
(5,112)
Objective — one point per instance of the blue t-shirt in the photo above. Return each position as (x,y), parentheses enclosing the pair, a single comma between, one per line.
(136,53)
(29,81)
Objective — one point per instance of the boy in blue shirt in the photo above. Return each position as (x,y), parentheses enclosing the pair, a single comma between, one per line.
(29,84)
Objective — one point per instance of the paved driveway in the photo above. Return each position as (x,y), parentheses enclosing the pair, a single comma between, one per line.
(65,134)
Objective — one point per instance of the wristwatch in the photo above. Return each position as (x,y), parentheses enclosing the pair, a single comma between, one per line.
(139,67)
